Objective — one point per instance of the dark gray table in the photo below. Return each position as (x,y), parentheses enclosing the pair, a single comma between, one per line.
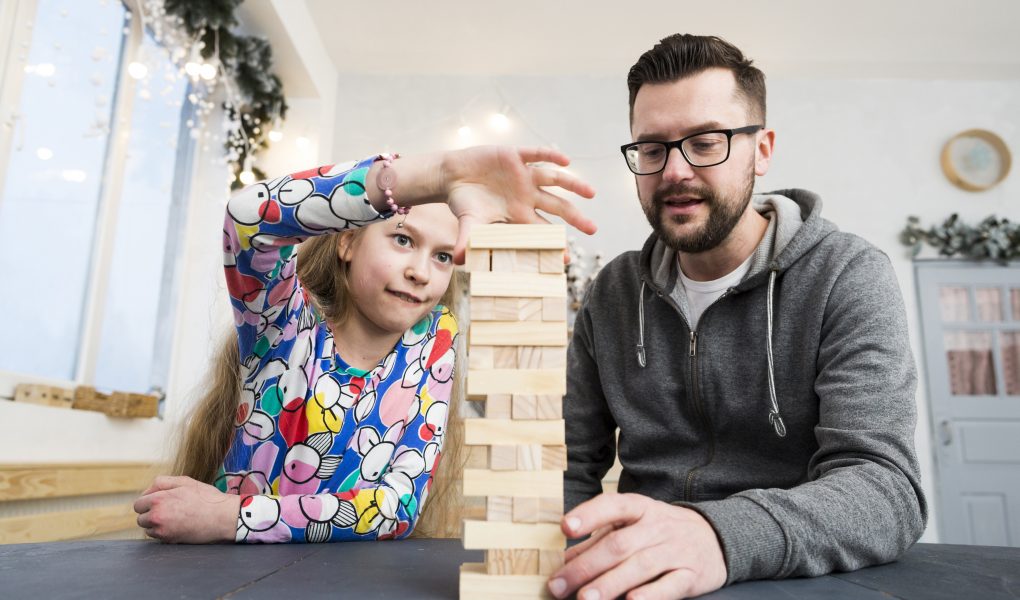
(428,569)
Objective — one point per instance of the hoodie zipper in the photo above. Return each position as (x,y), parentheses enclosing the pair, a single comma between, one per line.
(695,392)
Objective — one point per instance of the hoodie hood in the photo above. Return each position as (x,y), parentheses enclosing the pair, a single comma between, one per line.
(795,227)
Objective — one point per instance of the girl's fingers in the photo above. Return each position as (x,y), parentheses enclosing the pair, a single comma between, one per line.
(562,179)
(565,210)
(531,155)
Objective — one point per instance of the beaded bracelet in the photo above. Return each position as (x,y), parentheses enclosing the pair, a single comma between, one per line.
(386,179)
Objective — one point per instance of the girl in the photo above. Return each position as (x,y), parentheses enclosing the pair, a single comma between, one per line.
(327,415)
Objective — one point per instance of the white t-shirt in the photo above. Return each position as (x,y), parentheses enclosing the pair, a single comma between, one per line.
(700,294)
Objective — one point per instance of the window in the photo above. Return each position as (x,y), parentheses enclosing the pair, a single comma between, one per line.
(93,177)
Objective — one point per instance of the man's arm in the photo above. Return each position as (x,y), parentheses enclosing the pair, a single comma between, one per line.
(591,429)
(863,504)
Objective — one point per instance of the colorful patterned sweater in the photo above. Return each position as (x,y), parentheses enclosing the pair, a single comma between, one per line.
(323,451)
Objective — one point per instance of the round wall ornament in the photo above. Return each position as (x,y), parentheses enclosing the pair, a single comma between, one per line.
(976,160)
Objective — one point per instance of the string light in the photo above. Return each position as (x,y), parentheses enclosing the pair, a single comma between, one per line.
(44,153)
(246,177)
(275,135)
(207,71)
(138,70)
(499,121)
(193,69)
(464,131)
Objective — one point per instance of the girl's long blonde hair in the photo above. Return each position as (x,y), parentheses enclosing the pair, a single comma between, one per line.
(209,431)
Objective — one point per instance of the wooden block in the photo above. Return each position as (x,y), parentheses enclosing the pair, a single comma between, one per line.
(525,510)
(553,357)
(554,458)
(529,457)
(548,406)
(501,236)
(523,407)
(554,309)
(477,260)
(474,508)
(515,261)
(482,308)
(519,484)
(511,562)
(550,510)
(519,285)
(477,457)
(476,584)
(67,525)
(520,381)
(505,357)
(517,309)
(498,406)
(481,357)
(509,432)
(530,357)
(527,261)
(485,535)
(549,561)
(551,261)
(503,458)
(36,481)
(45,395)
(499,508)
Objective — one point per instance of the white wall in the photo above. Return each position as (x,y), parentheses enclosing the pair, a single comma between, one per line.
(869,147)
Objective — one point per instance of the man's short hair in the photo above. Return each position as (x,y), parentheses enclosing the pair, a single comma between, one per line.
(684,55)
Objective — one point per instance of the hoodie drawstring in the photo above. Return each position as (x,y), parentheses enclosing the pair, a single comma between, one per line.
(641,326)
(774,417)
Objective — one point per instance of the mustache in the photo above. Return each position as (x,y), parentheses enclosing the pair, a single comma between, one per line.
(681,189)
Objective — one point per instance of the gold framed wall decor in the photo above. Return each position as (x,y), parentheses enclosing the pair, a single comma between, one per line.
(976,160)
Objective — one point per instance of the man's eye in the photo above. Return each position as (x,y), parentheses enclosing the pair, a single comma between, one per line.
(651,152)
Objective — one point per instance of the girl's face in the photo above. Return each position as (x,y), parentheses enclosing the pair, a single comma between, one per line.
(397,275)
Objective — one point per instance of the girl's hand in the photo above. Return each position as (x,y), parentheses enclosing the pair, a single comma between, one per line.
(180,510)
(495,184)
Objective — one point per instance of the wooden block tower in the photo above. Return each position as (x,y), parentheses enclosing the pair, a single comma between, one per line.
(517,366)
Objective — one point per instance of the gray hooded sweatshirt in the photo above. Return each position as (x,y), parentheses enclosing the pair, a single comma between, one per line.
(786,419)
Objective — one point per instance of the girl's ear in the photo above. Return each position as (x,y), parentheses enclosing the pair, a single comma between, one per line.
(345,245)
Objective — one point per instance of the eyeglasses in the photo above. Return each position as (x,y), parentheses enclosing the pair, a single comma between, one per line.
(702,149)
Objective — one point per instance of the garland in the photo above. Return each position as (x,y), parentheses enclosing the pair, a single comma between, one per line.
(994,238)
(255,102)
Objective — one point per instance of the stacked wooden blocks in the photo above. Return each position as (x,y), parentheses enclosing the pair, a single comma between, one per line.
(517,366)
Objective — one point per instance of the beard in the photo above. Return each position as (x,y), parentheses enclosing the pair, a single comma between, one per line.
(724,212)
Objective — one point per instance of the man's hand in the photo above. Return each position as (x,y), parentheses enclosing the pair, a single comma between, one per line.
(638,545)
(180,510)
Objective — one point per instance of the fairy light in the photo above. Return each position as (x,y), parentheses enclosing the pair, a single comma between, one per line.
(207,71)
(499,121)
(138,70)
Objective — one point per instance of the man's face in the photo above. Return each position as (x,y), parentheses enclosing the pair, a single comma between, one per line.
(694,209)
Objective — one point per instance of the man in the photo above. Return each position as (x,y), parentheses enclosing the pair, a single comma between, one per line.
(754,358)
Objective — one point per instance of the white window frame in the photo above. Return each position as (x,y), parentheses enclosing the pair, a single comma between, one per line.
(13,12)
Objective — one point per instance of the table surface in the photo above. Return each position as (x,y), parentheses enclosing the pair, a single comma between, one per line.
(428,569)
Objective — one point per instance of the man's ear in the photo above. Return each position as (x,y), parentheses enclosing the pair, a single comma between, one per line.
(763,151)
(345,245)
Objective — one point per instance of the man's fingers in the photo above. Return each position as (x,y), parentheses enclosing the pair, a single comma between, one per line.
(671,586)
(640,567)
(604,510)
(573,551)
(604,555)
